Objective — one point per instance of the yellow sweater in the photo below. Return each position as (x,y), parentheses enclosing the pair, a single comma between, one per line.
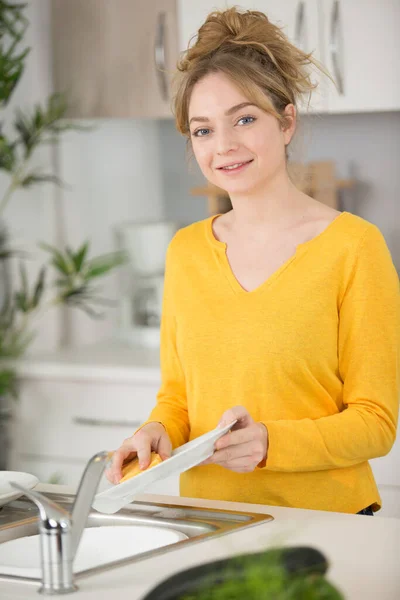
(313,353)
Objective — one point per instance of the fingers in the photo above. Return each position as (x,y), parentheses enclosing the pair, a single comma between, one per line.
(140,445)
(114,473)
(231,453)
(241,450)
(164,447)
(236,413)
(143,443)
(233,438)
(152,436)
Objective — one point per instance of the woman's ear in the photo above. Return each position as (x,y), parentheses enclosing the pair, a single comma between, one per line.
(289,122)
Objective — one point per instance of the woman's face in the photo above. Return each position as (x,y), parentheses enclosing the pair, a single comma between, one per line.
(238,148)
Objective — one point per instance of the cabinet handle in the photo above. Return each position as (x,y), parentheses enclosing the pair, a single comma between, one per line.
(299,27)
(335,46)
(159,54)
(90,422)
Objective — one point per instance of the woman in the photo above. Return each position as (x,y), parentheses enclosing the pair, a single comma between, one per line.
(282,313)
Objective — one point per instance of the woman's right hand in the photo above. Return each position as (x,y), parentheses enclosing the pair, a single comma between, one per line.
(151,437)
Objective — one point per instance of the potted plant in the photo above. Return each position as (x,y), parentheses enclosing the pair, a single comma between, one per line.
(74,272)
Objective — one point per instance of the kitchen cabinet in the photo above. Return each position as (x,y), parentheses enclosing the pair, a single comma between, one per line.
(356,41)
(114,59)
(117,59)
(361,46)
(71,408)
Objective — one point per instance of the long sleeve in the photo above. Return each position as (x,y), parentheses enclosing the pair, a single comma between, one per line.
(368,358)
(171,408)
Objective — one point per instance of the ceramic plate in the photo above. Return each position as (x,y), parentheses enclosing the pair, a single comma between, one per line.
(7,493)
(183,458)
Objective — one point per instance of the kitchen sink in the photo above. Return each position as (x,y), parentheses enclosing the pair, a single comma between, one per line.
(182,525)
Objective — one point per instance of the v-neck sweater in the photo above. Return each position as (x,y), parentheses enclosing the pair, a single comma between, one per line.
(312,353)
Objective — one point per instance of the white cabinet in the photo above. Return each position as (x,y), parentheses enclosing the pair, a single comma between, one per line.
(294,16)
(357,41)
(61,422)
(361,50)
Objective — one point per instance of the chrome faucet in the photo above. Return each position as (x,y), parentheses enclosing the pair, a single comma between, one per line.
(60,531)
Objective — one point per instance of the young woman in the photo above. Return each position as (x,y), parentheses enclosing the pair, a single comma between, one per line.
(283,313)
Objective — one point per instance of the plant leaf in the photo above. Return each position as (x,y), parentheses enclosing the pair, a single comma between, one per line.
(80,256)
(33,178)
(39,288)
(7,154)
(23,277)
(58,260)
(13,24)
(8,383)
(103,264)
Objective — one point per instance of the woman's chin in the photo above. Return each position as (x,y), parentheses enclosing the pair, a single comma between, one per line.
(236,187)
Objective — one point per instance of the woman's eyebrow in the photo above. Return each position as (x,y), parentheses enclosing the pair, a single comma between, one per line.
(227,113)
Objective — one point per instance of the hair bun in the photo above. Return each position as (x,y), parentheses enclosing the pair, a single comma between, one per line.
(222,29)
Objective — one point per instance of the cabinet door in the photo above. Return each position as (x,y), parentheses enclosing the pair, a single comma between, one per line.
(297,18)
(107,54)
(361,44)
(72,420)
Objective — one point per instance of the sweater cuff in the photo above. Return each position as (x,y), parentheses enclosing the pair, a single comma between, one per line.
(147,423)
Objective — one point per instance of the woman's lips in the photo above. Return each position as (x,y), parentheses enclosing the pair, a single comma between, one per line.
(233,169)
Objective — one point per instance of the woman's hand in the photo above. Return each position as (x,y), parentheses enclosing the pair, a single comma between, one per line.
(151,437)
(244,447)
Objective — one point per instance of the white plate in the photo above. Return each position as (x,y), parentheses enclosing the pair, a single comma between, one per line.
(7,493)
(183,458)
(98,546)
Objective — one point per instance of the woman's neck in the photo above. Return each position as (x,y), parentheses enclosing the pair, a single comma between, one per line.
(273,209)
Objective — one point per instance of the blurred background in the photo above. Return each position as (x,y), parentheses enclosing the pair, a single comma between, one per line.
(128,183)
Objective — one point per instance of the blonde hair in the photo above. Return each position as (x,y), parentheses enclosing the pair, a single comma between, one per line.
(254,53)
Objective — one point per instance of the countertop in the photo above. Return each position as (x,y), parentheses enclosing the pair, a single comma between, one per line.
(363,552)
(109,360)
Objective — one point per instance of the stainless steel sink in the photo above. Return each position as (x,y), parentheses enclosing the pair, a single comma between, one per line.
(20,519)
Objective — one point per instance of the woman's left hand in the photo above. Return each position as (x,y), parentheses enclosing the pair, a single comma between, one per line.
(244,447)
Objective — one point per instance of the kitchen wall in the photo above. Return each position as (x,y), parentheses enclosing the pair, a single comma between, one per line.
(132,170)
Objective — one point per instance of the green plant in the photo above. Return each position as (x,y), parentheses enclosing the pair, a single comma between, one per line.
(265,580)
(73,286)
(13,25)
(33,128)
(74,271)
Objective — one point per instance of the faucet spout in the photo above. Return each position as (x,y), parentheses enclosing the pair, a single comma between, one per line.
(59,533)
(85,494)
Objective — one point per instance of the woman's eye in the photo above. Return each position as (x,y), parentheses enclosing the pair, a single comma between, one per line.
(200,132)
(248,119)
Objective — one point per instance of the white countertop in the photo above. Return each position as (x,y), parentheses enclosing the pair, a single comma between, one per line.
(108,360)
(363,552)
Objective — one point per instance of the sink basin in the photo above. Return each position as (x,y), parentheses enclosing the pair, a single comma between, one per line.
(98,546)
(138,531)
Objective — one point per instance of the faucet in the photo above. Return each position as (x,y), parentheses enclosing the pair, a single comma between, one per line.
(60,532)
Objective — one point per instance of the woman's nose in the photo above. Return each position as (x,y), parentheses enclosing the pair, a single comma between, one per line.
(225,142)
